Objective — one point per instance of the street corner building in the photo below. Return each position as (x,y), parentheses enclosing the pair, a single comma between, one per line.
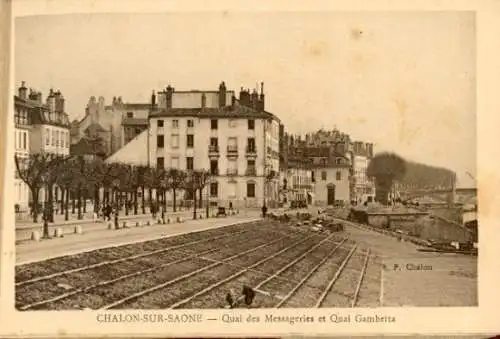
(40,127)
(235,138)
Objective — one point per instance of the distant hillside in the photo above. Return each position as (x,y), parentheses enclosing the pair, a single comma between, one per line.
(420,175)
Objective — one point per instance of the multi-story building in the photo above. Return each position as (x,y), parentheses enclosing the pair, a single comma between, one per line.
(364,186)
(119,123)
(233,138)
(329,167)
(39,128)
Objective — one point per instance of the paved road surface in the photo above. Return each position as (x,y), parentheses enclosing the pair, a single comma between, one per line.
(72,244)
(413,278)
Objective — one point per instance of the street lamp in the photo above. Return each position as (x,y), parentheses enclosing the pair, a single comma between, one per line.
(116,185)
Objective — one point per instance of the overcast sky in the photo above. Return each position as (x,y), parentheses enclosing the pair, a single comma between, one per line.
(404,81)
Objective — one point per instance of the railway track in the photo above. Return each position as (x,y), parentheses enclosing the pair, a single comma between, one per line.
(174,292)
(247,276)
(32,272)
(127,268)
(287,267)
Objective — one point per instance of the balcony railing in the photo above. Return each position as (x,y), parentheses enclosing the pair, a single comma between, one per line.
(213,151)
(232,150)
(232,171)
(251,151)
(250,171)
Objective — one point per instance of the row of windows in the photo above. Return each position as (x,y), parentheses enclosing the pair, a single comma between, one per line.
(232,141)
(21,116)
(214,190)
(56,138)
(214,123)
(21,140)
(214,164)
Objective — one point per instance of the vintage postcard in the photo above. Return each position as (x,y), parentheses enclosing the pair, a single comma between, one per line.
(175,169)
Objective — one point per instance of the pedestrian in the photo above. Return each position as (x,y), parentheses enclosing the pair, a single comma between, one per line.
(264,210)
(153,210)
(230,206)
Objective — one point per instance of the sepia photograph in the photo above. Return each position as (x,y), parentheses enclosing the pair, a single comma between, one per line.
(245,160)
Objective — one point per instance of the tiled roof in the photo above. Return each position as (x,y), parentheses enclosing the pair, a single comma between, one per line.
(95,127)
(237,111)
(135,122)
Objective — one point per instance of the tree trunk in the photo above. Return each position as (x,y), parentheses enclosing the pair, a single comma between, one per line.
(63,197)
(66,216)
(96,199)
(164,197)
(174,196)
(79,197)
(50,189)
(135,202)
(34,195)
(73,202)
(126,203)
(150,196)
(142,200)
(194,205)
(200,200)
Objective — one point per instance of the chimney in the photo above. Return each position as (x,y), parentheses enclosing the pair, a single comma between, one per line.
(153,99)
(262,97)
(170,91)
(51,101)
(114,101)
(59,102)
(203,100)
(23,90)
(233,100)
(222,94)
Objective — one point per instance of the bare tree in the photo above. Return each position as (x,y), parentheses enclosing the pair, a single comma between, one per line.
(176,180)
(33,171)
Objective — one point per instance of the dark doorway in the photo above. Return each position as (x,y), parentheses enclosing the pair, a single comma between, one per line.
(309,199)
(330,195)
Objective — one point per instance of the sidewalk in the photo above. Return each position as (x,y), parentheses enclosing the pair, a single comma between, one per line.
(87,219)
(24,232)
(76,243)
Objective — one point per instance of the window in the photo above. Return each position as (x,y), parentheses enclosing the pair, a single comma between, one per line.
(250,190)
(323,175)
(190,123)
(137,131)
(251,163)
(67,139)
(130,114)
(214,142)
(53,142)
(175,123)
(251,144)
(214,167)
(251,124)
(214,189)
(232,123)
(313,179)
(213,124)
(338,176)
(175,162)
(160,162)
(189,163)
(159,123)
(160,141)
(338,161)
(57,138)
(24,140)
(175,140)
(190,140)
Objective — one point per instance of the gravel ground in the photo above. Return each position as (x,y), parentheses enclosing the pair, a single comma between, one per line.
(134,284)
(51,266)
(168,296)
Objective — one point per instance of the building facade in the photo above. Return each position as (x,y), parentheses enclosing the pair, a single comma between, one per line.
(235,139)
(39,128)
(121,121)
